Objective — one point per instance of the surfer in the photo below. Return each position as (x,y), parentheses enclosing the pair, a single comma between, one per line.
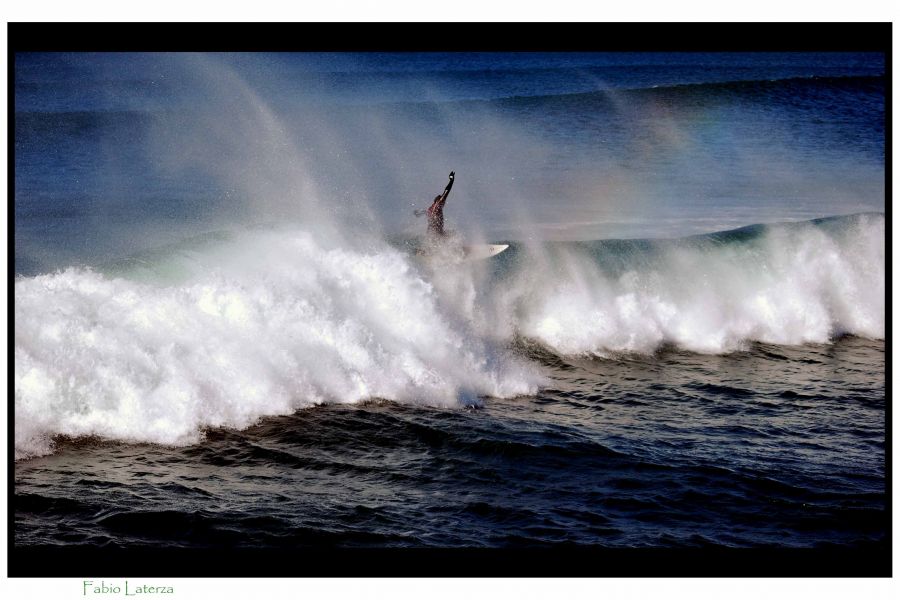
(435,212)
(444,248)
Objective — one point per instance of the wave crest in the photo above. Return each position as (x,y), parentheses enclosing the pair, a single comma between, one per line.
(785,284)
(296,325)
(267,322)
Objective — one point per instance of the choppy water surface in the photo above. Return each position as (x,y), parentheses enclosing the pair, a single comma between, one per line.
(776,445)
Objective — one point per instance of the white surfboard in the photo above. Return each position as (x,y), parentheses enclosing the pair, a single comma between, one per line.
(482,251)
(446,255)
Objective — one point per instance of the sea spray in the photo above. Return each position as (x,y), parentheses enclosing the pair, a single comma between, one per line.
(265,322)
(781,284)
(296,325)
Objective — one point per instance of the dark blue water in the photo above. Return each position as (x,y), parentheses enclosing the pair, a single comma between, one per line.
(222,342)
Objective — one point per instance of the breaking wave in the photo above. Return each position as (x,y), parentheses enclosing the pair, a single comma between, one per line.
(266,322)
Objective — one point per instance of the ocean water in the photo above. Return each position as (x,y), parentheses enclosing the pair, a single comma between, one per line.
(223,340)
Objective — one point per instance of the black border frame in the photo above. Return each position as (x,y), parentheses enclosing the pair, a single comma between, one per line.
(872,560)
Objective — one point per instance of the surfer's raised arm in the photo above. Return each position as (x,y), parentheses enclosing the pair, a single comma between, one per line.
(438,200)
(449,185)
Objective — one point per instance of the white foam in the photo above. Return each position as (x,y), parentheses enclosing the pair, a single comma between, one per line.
(272,321)
(794,285)
(279,324)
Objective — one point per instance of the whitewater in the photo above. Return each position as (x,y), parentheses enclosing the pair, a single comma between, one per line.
(264,322)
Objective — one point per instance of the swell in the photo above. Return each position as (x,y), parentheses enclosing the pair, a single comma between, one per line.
(602,95)
(75,121)
(855,83)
